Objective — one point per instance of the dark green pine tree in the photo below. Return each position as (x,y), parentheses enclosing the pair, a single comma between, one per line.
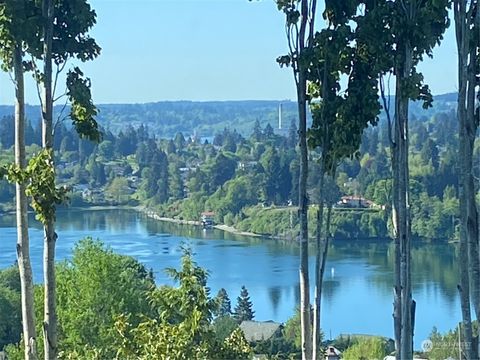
(244,309)
(224,307)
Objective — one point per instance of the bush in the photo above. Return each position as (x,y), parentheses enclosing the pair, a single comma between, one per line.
(10,307)
(94,288)
(366,349)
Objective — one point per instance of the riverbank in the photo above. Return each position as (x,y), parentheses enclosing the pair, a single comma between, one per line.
(230,229)
(153,215)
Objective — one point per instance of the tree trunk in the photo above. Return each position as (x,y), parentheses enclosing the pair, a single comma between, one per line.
(23,246)
(468,258)
(397,299)
(319,261)
(471,128)
(401,205)
(50,317)
(305,317)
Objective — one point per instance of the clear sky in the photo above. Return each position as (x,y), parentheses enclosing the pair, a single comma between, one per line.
(154,50)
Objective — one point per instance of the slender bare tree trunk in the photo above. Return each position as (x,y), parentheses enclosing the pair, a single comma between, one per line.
(469,254)
(319,260)
(397,299)
(323,251)
(301,84)
(472,127)
(403,304)
(305,316)
(50,316)
(23,245)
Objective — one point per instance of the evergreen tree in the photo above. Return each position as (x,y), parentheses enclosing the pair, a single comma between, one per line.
(175,183)
(430,152)
(171,149)
(7,128)
(222,170)
(257,134)
(268,132)
(223,303)
(244,310)
(179,141)
(292,135)
(273,170)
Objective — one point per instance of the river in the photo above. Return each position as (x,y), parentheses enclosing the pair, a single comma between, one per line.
(358,277)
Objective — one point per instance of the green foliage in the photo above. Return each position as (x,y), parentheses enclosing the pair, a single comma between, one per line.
(292,330)
(223,304)
(366,349)
(118,190)
(42,189)
(244,308)
(445,345)
(71,38)
(224,326)
(82,111)
(20,22)
(93,289)
(235,347)
(222,170)
(10,307)
(269,221)
(234,196)
(39,176)
(181,328)
(340,117)
(420,25)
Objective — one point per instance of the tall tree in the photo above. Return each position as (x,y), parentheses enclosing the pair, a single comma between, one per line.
(23,243)
(401,34)
(243,310)
(299,26)
(65,36)
(224,307)
(17,23)
(467,28)
(339,116)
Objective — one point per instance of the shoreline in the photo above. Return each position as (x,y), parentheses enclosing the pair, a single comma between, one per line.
(230,229)
(222,227)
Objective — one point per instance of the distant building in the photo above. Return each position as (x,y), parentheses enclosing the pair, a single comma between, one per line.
(247,165)
(357,202)
(207,219)
(332,353)
(260,330)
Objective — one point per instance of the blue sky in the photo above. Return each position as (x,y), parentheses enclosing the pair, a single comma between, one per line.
(157,50)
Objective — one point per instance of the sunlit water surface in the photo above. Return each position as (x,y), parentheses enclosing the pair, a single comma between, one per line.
(358,282)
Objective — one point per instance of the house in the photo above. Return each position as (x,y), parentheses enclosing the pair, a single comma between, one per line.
(260,330)
(185,172)
(86,194)
(207,219)
(357,202)
(332,353)
(247,165)
(80,187)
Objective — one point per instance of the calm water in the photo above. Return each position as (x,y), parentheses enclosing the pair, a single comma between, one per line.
(358,280)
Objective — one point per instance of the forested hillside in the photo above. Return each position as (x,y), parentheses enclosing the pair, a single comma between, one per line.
(250,181)
(167,118)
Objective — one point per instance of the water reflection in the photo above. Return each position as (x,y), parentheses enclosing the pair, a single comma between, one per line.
(357,294)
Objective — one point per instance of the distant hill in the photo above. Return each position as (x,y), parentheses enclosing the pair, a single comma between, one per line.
(166,118)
